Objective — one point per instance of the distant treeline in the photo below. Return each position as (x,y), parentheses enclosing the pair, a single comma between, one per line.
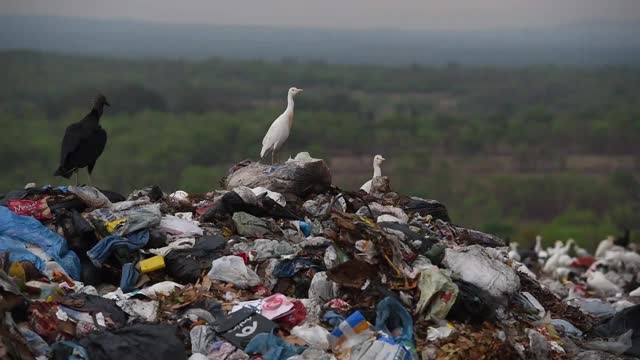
(180,124)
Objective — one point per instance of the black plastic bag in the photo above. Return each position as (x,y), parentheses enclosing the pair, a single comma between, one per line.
(473,304)
(137,342)
(94,304)
(625,320)
(186,265)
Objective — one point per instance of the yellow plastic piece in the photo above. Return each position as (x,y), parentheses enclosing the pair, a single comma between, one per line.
(226,232)
(111,226)
(17,271)
(151,264)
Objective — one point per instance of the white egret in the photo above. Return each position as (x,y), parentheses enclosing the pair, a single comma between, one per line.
(377,171)
(279,130)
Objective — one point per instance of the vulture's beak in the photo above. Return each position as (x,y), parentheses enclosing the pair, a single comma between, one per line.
(107,103)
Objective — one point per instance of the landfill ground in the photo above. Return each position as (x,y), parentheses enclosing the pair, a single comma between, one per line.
(281,265)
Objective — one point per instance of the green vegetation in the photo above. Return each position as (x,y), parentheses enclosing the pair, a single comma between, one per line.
(543,149)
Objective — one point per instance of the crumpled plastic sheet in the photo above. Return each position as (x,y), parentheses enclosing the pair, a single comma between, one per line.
(249,225)
(379,210)
(138,218)
(474,265)
(139,309)
(438,291)
(616,346)
(232,269)
(201,338)
(322,289)
(275,196)
(314,335)
(17,230)
(177,226)
(266,248)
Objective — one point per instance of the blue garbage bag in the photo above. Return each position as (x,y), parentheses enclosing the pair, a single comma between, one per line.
(18,230)
(101,251)
(290,267)
(272,347)
(391,310)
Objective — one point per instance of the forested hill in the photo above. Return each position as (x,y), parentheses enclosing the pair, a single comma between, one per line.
(510,150)
(583,43)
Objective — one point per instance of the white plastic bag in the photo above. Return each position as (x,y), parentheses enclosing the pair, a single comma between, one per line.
(232,269)
(474,264)
(314,335)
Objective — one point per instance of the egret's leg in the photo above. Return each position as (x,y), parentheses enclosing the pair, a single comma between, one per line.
(77,177)
(273,154)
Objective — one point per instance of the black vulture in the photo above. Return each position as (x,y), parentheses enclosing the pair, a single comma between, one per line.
(83,142)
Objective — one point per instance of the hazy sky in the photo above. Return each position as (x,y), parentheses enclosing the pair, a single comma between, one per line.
(399,14)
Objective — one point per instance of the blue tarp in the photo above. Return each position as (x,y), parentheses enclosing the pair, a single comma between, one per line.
(16,231)
(101,251)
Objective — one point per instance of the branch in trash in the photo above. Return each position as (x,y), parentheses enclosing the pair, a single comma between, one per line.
(471,237)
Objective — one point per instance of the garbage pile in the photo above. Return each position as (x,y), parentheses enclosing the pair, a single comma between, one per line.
(283,265)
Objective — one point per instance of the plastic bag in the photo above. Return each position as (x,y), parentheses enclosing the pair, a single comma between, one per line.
(322,289)
(232,269)
(314,335)
(186,265)
(161,288)
(202,337)
(249,225)
(391,311)
(39,209)
(277,197)
(616,346)
(17,230)
(177,226)
(437,290)
(474,264)
(272,347)
(137,342)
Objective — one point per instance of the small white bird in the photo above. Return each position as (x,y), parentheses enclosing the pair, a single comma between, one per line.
(377,171)
(280,128)
(513,254)
(599,283)
(542,254)
(604,245)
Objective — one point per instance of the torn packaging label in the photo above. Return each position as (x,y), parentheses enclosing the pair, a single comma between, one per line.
(243,325)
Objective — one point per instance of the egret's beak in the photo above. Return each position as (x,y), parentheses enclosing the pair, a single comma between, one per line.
(300,90)
(383,159)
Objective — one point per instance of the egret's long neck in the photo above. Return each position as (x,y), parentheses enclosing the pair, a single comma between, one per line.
(376,170)
(289,102)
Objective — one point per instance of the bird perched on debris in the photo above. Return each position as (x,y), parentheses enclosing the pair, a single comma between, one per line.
(377,171)
(83,142)
(513,254)
(604,246)
(280,128)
